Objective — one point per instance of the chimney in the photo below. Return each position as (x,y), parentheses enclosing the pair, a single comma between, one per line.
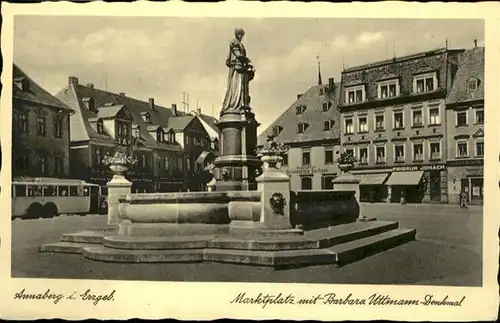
(199,111)
(475,43)
(299,95)
(90,85)
(174,109)
(73,80)
(122,93)
(151,103)
(331,84)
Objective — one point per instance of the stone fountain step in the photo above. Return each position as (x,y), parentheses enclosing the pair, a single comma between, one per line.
(157,243)
(65,247)
(103,253)
(94,237)
(316,239)
(344,233)
(362,248)
(339,254)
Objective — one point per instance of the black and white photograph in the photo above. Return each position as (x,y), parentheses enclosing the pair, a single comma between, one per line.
(285,150)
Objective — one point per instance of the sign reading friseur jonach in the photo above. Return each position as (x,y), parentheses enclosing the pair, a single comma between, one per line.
(419,168)
(307,170)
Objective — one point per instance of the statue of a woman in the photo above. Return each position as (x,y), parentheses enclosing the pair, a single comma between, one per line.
(241,72)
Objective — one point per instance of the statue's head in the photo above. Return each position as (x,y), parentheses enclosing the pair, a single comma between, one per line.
(239,33)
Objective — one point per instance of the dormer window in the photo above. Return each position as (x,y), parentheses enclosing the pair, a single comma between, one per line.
(277,130)
(22,83)
(146,117)
(159,135)
(300,109)
(472,84)
(123,135)
(137,132)
(424,83)
(328,124)
(100,126)
(388,89)
(302,127)
(327,106)
(355,94)
(89,103)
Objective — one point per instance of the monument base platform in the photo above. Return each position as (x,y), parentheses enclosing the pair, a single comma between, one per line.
(339,245)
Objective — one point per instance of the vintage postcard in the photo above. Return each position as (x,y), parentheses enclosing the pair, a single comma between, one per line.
(250,160)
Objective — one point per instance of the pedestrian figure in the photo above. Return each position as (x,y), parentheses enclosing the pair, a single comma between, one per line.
(463,200)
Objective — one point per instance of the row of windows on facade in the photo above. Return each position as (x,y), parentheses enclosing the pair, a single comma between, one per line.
(166,163)
(326,182)
(434,148)
(21,124)
(417,120)
(123,135)
(391,88)
(23,165)
(300,109)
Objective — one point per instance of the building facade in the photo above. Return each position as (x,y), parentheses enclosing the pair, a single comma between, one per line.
(164,141)
(465,128)
(393,121)
(310,126)
(40,130)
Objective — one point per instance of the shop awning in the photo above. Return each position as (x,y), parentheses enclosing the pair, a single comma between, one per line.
(372,179)
(405,178)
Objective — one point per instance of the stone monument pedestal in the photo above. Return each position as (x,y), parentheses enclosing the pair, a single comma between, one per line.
(118,188)
(237,162)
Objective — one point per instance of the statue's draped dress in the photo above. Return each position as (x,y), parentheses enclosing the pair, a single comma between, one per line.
(237,84)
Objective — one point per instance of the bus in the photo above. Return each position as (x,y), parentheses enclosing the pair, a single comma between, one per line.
(48,197)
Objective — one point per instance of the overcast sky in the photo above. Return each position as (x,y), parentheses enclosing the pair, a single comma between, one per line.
(163,57)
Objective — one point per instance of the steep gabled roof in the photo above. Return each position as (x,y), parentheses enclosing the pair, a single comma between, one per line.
(178,124)
(313,116)
(470,67)
(107,101)
(34,92)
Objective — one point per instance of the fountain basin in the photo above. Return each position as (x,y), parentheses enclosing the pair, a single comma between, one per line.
(188,207)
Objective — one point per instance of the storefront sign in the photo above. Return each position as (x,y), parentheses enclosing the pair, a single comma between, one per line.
(474,172)
(419,168)
(466,162)
(307,171)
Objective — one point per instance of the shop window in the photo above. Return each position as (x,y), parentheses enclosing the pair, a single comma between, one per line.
(476,188)
(306,183)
